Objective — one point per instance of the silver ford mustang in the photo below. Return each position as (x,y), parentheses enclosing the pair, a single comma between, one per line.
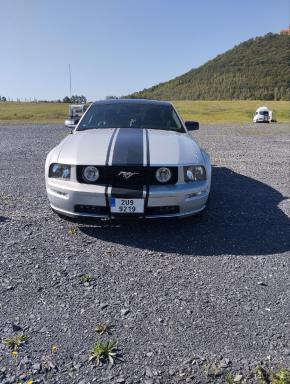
(129,158)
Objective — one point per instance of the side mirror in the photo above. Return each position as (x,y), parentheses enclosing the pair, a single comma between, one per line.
(71,123)
(192,125)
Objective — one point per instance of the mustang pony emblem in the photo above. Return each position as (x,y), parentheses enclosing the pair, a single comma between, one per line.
(127,175)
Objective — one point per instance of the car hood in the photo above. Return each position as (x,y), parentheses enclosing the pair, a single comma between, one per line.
(129,146)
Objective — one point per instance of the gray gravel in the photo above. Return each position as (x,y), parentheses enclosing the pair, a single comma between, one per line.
(190,300)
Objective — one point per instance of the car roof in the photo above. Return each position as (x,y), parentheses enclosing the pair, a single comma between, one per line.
(133,101)
(263,109)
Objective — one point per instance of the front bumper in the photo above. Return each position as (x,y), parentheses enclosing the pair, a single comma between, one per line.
(261,120)
(66,196)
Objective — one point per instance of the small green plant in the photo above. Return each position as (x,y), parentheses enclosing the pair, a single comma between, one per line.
(54,348)
(262,375)
(105,352)
(72,231)
(104,328)
(280,377)
(15,342)
(87,278)
(212,370)
(230,378)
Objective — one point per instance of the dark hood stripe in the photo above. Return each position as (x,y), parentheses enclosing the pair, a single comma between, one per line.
(107,163)
(128,149)
(147,148)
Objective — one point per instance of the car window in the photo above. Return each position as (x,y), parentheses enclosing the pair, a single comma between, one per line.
(131,115)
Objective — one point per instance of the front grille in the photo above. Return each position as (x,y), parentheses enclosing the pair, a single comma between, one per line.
(92,209)
(149,211)
(112,175)
(165,210)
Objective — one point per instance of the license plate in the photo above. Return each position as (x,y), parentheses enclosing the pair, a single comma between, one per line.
(127,205)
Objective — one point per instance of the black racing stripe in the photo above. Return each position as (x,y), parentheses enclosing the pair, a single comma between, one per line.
(147,148)
(107,162)
(148,165)
(133,192)
(107,196)
(128,149)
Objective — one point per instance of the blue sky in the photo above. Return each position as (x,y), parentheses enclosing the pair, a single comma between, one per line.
(119,46)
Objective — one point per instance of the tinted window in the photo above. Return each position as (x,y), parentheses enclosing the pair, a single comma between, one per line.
(127,115)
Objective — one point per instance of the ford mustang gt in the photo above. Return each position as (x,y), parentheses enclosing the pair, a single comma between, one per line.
(131,158)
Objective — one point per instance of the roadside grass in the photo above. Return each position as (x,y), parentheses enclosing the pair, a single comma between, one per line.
(207,112)
(13,112)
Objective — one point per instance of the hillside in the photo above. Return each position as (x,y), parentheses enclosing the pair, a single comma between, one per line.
(257,69)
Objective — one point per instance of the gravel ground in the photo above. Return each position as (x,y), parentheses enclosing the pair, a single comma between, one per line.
(192,301)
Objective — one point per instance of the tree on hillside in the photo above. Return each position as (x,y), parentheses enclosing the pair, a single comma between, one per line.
(78,99)
(254,70)
(66,99)
(75,99)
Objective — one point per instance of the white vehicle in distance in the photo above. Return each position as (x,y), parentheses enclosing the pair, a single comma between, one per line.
(129,158)
(75,113)
(262,115)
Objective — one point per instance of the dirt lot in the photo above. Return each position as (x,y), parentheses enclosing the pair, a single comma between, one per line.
(195,301)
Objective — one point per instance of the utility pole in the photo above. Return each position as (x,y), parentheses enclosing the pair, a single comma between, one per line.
(69,70)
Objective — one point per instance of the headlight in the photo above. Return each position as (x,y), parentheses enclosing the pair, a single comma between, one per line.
(163,175)
(91,174)
(59,171)
(194,173)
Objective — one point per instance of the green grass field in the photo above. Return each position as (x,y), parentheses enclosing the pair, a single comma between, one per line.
(203,111)
(33,112)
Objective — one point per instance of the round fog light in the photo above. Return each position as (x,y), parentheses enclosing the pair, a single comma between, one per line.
(91,174)
(163,175)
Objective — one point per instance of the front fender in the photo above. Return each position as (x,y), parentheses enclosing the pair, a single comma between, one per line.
(207,163)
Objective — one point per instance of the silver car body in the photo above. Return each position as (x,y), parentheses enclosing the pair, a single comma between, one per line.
(98,147)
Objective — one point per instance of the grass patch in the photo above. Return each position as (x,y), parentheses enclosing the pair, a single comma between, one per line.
(33,112)
(233,111)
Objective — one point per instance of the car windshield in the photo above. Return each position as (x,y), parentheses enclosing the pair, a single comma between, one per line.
(131,115)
